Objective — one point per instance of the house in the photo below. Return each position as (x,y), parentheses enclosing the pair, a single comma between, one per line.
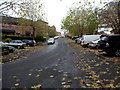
(104,29)
(10,26)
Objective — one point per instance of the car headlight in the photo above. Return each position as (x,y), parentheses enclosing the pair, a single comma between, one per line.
(107,44)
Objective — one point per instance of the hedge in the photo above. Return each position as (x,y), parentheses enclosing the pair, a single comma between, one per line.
(20,37)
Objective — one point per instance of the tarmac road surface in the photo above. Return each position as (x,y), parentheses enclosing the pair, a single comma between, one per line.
(57,66)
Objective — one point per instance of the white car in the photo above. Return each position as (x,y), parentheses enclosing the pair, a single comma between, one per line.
(17,44)
(94,43)
(51,41)
(87,38)
(56,37)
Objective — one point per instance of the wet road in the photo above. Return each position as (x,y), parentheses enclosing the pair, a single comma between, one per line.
(56,66)
(55,60)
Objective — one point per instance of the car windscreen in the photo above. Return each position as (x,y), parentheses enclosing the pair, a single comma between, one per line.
(50,39)
(2,44)
(18,42)
(104,38)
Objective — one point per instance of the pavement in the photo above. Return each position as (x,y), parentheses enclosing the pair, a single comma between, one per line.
(61,65)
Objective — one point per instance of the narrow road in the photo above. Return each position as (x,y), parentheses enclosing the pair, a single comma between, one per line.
(55,60)
(57,66)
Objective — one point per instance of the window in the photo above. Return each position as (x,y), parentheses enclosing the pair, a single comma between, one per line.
(3,25)
(9,25)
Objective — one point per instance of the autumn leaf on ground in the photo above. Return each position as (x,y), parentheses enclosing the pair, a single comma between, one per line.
(63,79)
(63,83)
(66,86)
(30,74)
(40,70)
(37,86)
(17,84)
(69,81)
(51,76)
(38,76)
(14,77)
(65,75)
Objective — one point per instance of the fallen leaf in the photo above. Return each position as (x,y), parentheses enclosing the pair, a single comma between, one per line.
(63,79)
(40,70)
(14,77)
(75,78)
(17,84)
(30,74)
(38,76)
(66,86)
(65,75)
(96,64)
(88,84)
(54,69)
(69,81)
(37,86)
(51,76)
(63,83)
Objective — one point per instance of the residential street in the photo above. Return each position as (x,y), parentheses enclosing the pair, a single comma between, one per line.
(62,65)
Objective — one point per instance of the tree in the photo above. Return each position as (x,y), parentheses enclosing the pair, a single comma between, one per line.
(110,15)
(80,20)
(30,11)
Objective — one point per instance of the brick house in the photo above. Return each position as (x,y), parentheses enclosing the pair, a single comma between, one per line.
(10,26)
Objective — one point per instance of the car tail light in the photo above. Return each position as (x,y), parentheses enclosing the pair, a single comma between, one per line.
(91,43)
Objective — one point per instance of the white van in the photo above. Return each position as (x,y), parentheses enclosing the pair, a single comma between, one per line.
(87,38)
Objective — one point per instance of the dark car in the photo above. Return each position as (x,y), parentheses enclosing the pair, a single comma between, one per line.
(110,44)
(74,37)
(6,49)
(30,42)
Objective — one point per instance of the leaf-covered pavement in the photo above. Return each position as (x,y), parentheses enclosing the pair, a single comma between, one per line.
(74,68)
(21,53)
(100,71)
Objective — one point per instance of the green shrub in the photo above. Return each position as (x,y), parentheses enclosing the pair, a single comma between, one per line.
(7,39)
(40,39)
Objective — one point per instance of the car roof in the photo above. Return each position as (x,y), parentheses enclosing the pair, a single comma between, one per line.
(115,35)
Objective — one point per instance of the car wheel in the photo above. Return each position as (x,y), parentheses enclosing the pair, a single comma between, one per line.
(28,45)
(18,47)
(11,51)
(117,52)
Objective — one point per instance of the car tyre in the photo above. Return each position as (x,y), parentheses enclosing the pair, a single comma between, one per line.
(18,47)
(117,52)
(28,45)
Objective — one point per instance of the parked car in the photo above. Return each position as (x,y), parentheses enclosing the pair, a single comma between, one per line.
(111,44)
(56,37)
(30,42)
(6,49)
(94,43)
(78,40)
(62,36)
(17,44)
(102,42)
(87,38)
(51,41)
(74,37)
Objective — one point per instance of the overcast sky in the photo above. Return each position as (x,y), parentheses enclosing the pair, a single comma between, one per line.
(57,9)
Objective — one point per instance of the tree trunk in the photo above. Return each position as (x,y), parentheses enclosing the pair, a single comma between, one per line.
(33,33)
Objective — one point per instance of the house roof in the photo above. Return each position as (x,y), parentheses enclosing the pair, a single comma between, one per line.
(10,20)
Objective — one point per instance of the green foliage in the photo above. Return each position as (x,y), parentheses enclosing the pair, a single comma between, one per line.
(80,20)
(7,39)
(40,39)
(15,37)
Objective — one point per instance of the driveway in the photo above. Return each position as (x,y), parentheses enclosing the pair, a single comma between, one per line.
(61,65)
